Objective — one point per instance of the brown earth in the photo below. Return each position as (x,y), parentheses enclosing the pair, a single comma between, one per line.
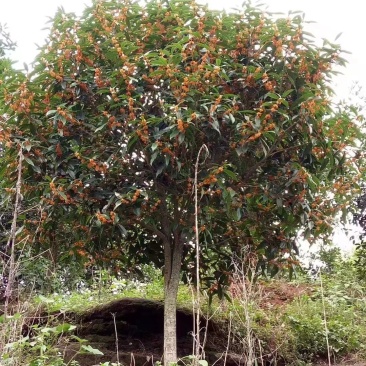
(279,293)
(139,326)
(271,294)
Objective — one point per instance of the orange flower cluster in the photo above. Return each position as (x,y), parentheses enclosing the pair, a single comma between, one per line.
(67,116)
(155,207)
(189,185)
(304,68)
(269,85)
(270,127)
(81,252)
(4,135)
(98,78)
(112,215)
(318,152)
(216,104)
(76,185)
(143,131)
(182,126)
(119,50)
(167,150)
(113,123)
(103,218)
(301,176)
(83,228)
(274,108)
(24,102)
(255,136)
(98,167)
(136,195)
(311,106)
(56,76)
(211,179)
(59,193)
(58,150)
(79,54)
(131,108)
(184,89)
(342,187)
(250,81)
(79,244)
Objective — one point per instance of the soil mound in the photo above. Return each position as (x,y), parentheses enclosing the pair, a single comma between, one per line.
(138,324)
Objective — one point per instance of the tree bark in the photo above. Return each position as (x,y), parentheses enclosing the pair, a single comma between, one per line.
(173,256)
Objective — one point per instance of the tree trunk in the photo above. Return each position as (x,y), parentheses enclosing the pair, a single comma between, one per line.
(173,257)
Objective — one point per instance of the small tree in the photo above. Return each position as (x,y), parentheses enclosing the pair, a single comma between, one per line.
(359,219)
(8,212)
(118,106)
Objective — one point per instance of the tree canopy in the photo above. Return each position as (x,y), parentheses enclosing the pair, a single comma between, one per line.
(120,102)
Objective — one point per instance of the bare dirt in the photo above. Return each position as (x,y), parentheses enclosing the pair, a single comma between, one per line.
(279,293)
(138,324)
(271,294)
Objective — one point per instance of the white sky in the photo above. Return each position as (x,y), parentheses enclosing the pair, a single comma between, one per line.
(26,18)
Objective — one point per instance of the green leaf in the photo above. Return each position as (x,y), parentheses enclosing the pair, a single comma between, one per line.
(231,174)
(63,195)
(279,202)
(338,35)
(51,112)
(80,340)
(285,103)
(231,192)
(313,181)
(159,170)
(159,62)
(215,125)
(272,96)
(36,168)
(154,146)
(48,330)
(153,157)
(131,143)
(181,138)
(100,127)
(65,327)
(117,204)
(287,93)
(45,299)
(91,350)
(29,161)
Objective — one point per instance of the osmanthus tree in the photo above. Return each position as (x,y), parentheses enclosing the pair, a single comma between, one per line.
(6,69)
(119,104)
